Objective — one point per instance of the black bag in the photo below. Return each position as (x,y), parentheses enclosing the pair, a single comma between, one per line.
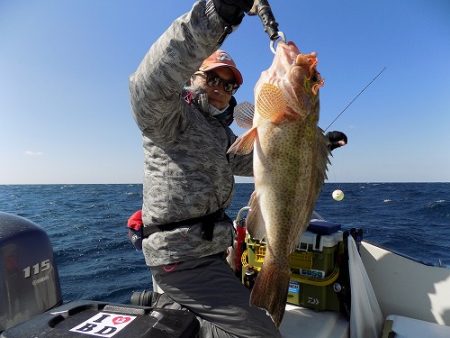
(136,230)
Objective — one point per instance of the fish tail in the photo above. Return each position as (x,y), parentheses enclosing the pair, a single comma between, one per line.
(271,289)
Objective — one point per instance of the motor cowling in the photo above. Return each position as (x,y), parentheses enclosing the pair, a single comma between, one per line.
(29,282)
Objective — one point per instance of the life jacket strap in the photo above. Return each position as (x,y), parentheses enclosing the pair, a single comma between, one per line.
(207,221)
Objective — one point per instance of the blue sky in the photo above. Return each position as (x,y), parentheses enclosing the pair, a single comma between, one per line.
(64,66)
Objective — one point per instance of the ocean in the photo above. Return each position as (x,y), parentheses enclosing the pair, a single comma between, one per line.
(86,225)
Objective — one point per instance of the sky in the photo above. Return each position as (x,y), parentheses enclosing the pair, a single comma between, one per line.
(65,115)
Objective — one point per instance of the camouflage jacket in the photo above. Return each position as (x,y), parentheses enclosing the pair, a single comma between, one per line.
(187,173)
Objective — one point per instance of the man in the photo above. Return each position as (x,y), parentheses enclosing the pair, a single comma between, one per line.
(188,175)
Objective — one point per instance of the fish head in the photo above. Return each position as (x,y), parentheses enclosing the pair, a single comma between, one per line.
(296,76)
(304,79)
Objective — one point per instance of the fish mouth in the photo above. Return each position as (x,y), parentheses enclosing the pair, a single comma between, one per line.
(303,67)
(308,63)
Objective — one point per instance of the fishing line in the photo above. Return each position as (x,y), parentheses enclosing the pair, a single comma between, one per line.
(354,99)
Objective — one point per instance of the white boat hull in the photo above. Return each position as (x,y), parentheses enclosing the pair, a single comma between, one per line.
(406,287)
(413,295)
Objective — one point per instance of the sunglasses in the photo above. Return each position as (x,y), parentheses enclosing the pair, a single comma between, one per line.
(213,80)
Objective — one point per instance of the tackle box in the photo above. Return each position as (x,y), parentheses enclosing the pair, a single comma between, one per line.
(314,266)
(315,254)
(313,293)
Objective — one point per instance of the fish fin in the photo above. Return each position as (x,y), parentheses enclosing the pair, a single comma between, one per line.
(243,114)
(271,289)
(323,161)
(244,144)
(271,103)
(254,222)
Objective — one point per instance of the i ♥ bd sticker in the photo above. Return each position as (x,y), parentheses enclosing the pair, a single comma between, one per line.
(104,324)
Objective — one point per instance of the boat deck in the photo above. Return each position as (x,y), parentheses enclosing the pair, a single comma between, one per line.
(302,322)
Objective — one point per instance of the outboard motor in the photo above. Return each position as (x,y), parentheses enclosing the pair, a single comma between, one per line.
(29,282)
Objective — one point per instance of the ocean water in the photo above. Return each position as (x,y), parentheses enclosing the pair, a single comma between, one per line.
(86,225)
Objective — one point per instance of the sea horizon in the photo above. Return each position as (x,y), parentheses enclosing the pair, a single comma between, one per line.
(328,182)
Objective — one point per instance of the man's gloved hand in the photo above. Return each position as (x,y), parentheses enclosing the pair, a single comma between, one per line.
(232,11)
(336,139)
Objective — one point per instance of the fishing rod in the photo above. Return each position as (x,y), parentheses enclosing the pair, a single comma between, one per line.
(264,11)
(354,99)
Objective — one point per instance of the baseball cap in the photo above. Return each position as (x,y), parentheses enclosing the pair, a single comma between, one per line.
(218,59)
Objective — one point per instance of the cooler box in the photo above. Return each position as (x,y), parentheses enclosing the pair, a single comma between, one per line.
(89,318)
(313,265)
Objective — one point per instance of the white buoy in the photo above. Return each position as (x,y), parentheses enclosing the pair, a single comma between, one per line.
(338,195)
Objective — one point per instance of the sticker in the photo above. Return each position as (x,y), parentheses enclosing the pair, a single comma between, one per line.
(317,274)
(294,287)
(313,301)
(103,324)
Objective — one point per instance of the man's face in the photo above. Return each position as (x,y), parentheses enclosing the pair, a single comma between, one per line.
(215,88)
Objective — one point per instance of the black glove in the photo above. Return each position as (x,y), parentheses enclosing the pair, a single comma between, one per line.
(232,11)
(336,139)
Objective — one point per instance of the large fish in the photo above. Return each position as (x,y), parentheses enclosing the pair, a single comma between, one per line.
(289,163)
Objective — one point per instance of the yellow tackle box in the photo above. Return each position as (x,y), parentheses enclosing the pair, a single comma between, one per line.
(314,266)
(315,255)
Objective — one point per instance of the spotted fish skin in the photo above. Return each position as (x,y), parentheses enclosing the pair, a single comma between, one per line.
(289,163)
